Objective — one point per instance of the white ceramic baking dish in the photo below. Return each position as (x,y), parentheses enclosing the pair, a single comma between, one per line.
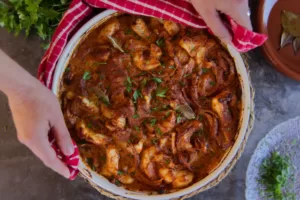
(102,181)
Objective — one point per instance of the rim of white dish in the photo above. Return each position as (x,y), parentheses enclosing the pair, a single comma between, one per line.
(102,181)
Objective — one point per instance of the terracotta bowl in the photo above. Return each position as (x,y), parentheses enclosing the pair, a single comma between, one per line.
(269,22)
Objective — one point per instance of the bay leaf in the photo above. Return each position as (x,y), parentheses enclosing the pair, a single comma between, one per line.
(187,111)
(115,43)
(291,23)
(286,39)
(296,45)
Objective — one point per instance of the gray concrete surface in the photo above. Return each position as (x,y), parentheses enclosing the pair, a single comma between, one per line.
(23,176)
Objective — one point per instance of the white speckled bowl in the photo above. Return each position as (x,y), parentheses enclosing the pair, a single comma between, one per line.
(102,181)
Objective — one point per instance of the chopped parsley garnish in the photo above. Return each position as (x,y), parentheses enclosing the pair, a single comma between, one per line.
(144,82)
(158,131)
(154,109)
(154,141)
(128,84)
(136,95)
(67,69)
(172,67)
(117,183)
(178,119)
(141,74)
(135,116)
(167,113)
(157,80)
(161,92)
(160,42)
(187,75)
(182,83)
(86,76)
(137,128)
(212,83)
(205,70)
(276,176)
(120,172)
(168,161)
(152,122)
(89,125)
(128,32)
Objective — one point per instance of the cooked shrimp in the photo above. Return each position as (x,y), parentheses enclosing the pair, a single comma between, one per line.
(108,30)
(182,178)
(112,162)
(89,105)
(90,135)
(184,133)
(125,179)
(191,44)
(140,28)
(147,60)
(166,174)
(147,166)
(171,27)
(168,123)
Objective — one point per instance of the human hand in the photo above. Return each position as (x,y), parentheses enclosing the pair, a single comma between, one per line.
(36,113)
(236,9)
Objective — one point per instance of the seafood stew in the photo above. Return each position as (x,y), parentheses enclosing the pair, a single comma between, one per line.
(153,105)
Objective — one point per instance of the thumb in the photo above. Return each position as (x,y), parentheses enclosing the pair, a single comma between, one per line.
(62,135)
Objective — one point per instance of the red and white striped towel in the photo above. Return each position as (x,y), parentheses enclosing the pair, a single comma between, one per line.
(180,11)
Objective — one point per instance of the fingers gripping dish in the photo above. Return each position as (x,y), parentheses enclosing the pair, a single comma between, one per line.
(153,105)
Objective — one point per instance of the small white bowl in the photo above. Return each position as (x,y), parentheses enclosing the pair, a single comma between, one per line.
(102,181)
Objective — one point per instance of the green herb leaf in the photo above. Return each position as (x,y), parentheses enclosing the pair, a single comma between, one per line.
(212,83)
(137,128)
(135,116)
(144,82)
(178,119)
(67,69)
(157,80)
(172,67)
(168,161)
(128,84)
(128,32)
(120,172)
(154,141)
(117,182)
(205,70)
(275,176)
(158,131)
(152,122)
(32,16)
(86,76)
(187,75)
(160,42)
(136,95)
(161,92)
(89,125)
